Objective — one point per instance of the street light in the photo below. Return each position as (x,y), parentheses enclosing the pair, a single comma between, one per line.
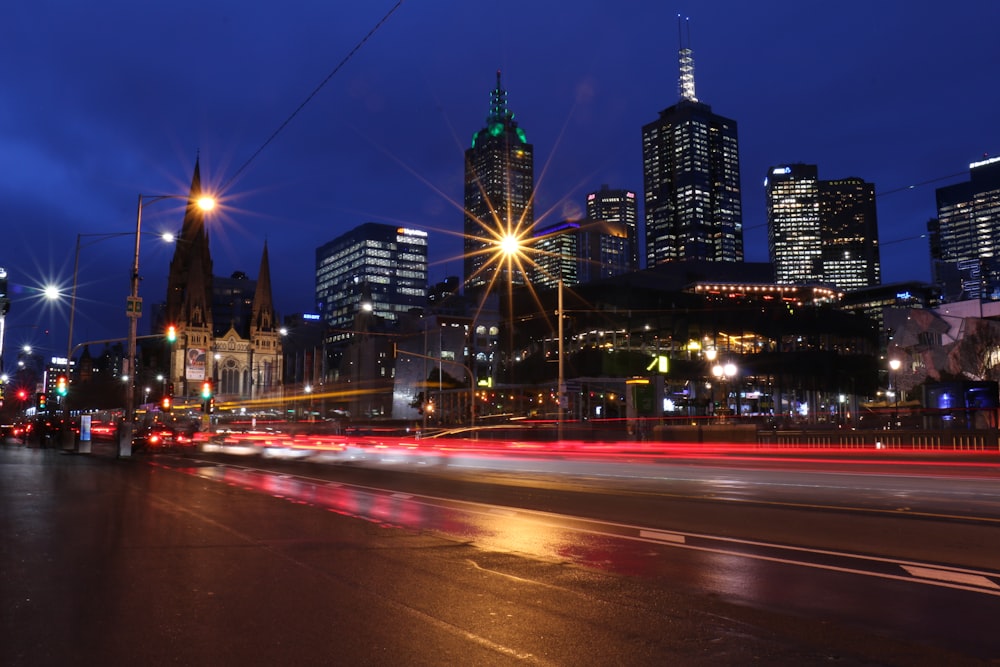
(54,293)
(726,371)
(710,354)
(894,364)
(133,310)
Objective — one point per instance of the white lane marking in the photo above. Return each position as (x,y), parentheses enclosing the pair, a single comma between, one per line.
(661,536)
(402,496)
(502,512)
(948,575)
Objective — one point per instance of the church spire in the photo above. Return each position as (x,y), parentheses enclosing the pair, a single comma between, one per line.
(191,254)
(262,312)
(685,57)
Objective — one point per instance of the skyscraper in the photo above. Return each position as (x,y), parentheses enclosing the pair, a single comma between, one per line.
(691,177)
(618,206)
(849,232)
(499,188)
(821,231)
(579,251)
(375,267)
(793,227)
(965,249)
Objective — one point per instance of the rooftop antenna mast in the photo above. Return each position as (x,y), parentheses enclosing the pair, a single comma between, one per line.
(686,60)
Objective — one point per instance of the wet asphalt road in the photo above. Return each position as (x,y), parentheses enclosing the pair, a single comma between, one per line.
(136,562)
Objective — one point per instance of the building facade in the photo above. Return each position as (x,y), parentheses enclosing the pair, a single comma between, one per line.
(965,238)
(620,207)
(580,251)
(499,189)
(821,231)
(793,224)
(377,267)
(691,178)
(850,257)
(241,359)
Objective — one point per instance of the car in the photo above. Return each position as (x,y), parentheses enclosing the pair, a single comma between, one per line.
(152,438)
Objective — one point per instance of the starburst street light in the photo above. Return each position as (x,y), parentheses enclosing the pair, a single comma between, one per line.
(133,308)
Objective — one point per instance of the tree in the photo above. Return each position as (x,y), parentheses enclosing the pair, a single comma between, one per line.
(976,355)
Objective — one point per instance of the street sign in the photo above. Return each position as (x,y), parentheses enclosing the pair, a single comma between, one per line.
(133,306)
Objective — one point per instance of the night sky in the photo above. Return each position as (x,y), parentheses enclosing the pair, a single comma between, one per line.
(102,101)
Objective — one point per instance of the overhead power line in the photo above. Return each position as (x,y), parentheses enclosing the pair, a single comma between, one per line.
(344,60)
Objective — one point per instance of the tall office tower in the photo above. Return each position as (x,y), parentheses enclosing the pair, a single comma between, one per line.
(499,188)
(849,232)
(821,231)
(555,252)
(793,223)
(691,176)
(618,206)
(380,269)
(580,251)
(966,255)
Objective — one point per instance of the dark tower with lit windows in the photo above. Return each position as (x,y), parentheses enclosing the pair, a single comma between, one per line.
(691,177)
(499,188)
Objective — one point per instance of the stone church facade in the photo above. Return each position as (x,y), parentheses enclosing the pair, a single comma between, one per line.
(242,357)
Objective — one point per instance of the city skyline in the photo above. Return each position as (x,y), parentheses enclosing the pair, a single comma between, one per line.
(110,102)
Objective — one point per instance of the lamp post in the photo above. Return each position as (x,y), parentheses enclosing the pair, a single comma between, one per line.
(726,371)
(133,309)
(710,355)
(894,364)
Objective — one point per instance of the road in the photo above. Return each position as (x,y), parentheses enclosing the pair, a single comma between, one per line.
(224,560)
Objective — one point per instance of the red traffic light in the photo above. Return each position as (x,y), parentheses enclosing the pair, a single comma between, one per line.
(171,333)
(166,403)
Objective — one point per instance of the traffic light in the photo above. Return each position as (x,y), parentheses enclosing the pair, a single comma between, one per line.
(61,385)
(171,333)
(22,394)
(206,389)
(166,402)
(42,401)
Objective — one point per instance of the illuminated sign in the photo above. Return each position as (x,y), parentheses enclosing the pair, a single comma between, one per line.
(310,316)
(410,232)
(983,163)
(660,363)
(781,171)
(903,295)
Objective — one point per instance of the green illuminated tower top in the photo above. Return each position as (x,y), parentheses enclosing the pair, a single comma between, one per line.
(499,190)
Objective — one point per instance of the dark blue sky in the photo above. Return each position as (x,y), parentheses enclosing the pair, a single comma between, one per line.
(102,101)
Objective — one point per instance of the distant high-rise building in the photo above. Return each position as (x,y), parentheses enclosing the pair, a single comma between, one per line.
(618,206)
(849,232)
(691,177)
(965,238)
(499,187)
(793,226)
(580,251)
(375,267)
(821,231)
(556,250)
